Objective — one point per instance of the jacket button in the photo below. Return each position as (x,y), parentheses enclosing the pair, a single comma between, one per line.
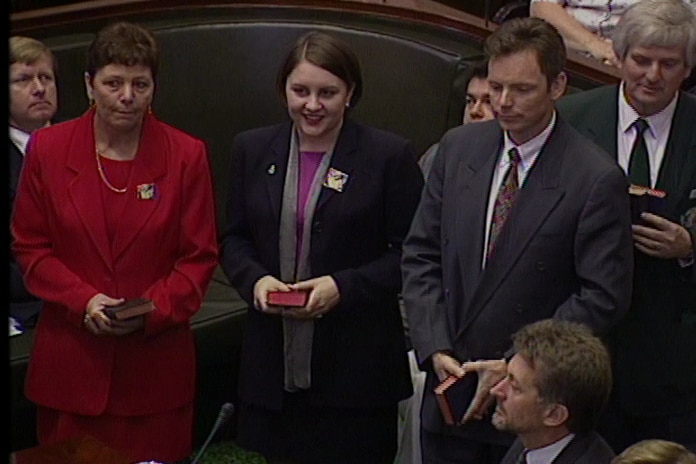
(541,266)
(519,308)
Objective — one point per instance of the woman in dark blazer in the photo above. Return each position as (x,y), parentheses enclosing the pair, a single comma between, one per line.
(321,204)
(116,205)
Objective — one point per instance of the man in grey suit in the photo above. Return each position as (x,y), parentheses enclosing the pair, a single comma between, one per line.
(493,248)
(654,347)
(557,384)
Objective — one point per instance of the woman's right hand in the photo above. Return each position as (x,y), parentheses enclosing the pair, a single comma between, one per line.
(95,320)
(266,284)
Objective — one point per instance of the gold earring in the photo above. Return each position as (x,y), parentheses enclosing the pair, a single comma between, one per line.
(92,103)
(149,109)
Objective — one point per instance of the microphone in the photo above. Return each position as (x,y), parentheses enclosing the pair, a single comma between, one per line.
(225,413)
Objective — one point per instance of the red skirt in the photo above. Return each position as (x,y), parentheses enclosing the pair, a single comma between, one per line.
(165,437)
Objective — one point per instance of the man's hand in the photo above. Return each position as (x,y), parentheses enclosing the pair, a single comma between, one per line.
(490,372)
(445,365)
(661,238)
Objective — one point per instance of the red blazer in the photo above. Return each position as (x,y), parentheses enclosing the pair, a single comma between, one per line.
(165,248)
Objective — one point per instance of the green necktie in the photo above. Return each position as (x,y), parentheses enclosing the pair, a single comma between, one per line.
(639,164)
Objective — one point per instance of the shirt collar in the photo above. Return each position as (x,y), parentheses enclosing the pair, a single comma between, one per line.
(530,149)
(19,138)
(549,452)
(658,122)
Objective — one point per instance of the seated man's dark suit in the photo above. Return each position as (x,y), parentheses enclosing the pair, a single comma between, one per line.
(654,347)
(586,448)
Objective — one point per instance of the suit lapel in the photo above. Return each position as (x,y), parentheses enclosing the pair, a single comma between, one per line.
(473,179)
(346,145)
(276,167)
(84,188)
(679,165)
(538,197)
(150,166)
(602,125)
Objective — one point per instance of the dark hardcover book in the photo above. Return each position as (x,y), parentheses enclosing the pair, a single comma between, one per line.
(644,199)
(130,308)
(293,298)
(454,394)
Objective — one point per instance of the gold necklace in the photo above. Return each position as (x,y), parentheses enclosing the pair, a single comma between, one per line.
(103,176)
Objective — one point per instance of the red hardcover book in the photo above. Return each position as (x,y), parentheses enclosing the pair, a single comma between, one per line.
(293,298)
(454,394)
(130,308)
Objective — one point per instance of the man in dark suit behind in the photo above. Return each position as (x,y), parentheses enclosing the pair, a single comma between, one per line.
(33,102)
(557,384)
(564,250)
(655,345)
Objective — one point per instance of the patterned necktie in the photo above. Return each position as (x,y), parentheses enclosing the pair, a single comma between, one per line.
(639,164)
(505,199)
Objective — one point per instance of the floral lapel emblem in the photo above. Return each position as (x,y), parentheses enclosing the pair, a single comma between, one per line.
(147,191)
(335,180)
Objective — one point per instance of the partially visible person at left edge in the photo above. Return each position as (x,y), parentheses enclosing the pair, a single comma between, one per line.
(115,205)
(654,347)
(33,103)
(321,203)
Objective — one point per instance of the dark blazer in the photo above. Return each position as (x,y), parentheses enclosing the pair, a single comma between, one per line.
(585,448)
(359,353)
(23,305)
(564,252)
(660,328)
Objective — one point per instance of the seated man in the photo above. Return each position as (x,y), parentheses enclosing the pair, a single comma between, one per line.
(477,108)
(556,387)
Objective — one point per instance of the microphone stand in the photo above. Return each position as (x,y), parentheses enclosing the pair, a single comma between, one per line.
(225,413)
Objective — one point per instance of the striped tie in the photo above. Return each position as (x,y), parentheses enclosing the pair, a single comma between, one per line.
(505,199)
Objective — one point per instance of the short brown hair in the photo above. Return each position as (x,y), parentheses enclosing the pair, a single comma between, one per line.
(520,34)
(126,44)
(572,368)
(327,52)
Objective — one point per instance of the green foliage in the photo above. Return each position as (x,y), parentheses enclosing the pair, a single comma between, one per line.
(227,452)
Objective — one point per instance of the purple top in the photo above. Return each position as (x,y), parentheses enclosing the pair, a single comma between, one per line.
(309,162)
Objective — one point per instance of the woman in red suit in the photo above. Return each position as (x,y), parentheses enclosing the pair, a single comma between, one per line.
(321,204)
(116,205)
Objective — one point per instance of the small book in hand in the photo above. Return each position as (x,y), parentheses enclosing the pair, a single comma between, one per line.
(130,308)
(292,299)
(454,394)
(644,199)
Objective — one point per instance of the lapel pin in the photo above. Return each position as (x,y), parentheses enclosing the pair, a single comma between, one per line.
(335,179)
(147,191)
(271,169)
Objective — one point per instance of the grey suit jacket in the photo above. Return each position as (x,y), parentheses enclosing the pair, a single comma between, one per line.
(660,328)
(586,448)
(564,252)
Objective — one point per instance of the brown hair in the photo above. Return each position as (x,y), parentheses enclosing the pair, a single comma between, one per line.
(535,34)
(572,368)
(327,52)
(125,44)
(655,452)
